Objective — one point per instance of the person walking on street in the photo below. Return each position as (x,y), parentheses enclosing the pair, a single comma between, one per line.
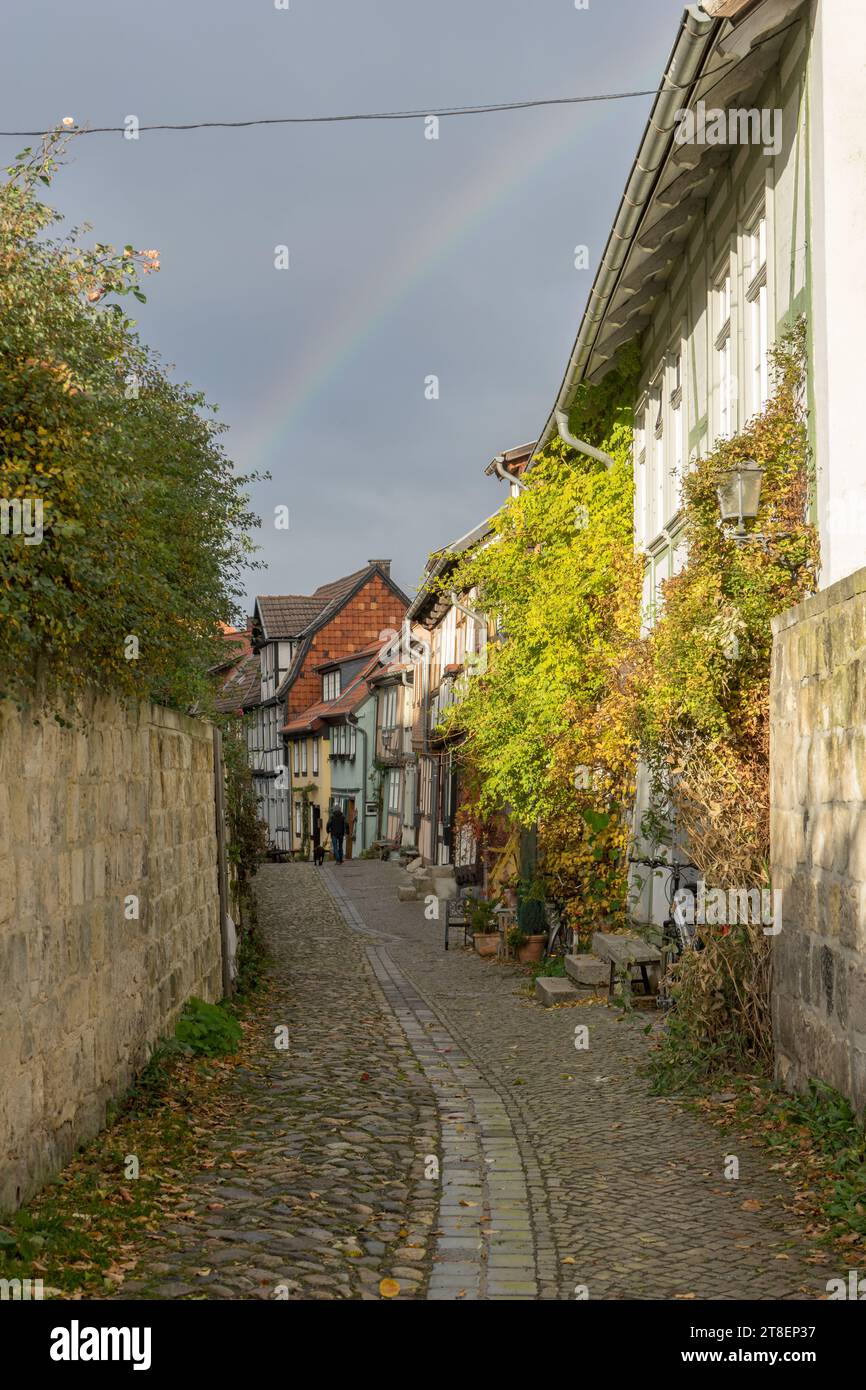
(336,828)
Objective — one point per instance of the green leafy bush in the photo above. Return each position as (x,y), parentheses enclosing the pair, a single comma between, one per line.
(208,1029)
(547,728)
(482,915)
(552,968)
(531,918)
(145,525)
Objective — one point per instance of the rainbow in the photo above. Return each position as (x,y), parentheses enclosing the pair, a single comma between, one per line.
(518,163)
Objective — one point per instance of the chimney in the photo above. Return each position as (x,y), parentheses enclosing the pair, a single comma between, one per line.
(383,565)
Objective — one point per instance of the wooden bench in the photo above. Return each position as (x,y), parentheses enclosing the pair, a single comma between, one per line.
(384,848)
(623,952)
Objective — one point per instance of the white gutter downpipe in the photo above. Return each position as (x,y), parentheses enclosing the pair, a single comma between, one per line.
(579,444)
(502,472)
(682,70)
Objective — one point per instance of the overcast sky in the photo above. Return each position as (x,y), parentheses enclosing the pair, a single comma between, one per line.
(408,257)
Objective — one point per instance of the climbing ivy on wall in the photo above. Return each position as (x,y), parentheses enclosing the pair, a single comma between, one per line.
(702,701)
(545,727)
(702,698)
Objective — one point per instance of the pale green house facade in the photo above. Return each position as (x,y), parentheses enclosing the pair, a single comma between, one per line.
(745,208)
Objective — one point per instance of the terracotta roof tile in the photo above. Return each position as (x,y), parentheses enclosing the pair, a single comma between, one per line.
(242,687)
(345,703)
(286,615)
(338,588)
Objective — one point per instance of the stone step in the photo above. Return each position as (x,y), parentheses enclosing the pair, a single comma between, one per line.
(552,989)
(588,972)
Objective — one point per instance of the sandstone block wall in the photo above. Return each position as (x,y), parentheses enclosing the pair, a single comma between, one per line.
(121,804)
(818,832)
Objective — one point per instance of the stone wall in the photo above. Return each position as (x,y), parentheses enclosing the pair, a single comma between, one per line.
(818,827)
(120,804)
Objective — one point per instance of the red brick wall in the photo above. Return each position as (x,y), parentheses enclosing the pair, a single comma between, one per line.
(359,622)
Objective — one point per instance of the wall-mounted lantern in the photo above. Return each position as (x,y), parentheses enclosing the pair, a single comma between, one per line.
(739,494)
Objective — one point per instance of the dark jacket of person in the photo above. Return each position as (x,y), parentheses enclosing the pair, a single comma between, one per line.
(336,823)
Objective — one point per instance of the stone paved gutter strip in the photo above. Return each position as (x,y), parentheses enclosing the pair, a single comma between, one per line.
(486,1244)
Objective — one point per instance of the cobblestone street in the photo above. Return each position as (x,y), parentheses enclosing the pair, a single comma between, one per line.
(557,1168)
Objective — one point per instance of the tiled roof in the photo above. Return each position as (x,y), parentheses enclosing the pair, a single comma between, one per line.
(286,615)
(306,720)
(289,615)
(370,649)
(242,687)
(338,588)
(346,702)
(442,560)
(299,616)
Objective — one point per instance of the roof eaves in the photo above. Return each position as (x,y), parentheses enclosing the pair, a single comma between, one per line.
(446,558)
(510,456)
(340,600)
(690,47)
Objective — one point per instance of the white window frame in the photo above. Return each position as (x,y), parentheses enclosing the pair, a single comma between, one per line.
(640,492)
(449,638)
(723,350)
(296,757)
(315,757)
(303,757)
(757,298)
(655,430)
(389,708)
(331,685)
(676,408)
(393,789)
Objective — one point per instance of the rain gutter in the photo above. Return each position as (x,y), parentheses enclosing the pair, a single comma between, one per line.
(682,70)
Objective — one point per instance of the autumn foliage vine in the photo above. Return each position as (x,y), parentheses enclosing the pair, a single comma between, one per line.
(702,700)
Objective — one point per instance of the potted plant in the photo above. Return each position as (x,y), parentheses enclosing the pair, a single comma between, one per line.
(482,921)
(531,928)
(516,940)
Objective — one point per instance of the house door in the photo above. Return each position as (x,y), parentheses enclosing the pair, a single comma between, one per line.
(350,826)
(447,804)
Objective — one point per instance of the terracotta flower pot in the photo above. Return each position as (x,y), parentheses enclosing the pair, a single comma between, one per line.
(532,950)
(486,943)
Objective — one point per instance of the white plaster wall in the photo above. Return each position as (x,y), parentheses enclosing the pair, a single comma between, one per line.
(838,206)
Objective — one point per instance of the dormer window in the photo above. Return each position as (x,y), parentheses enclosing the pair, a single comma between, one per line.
(331,685)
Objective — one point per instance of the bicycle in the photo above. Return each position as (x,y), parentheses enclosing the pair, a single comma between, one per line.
(679,933)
